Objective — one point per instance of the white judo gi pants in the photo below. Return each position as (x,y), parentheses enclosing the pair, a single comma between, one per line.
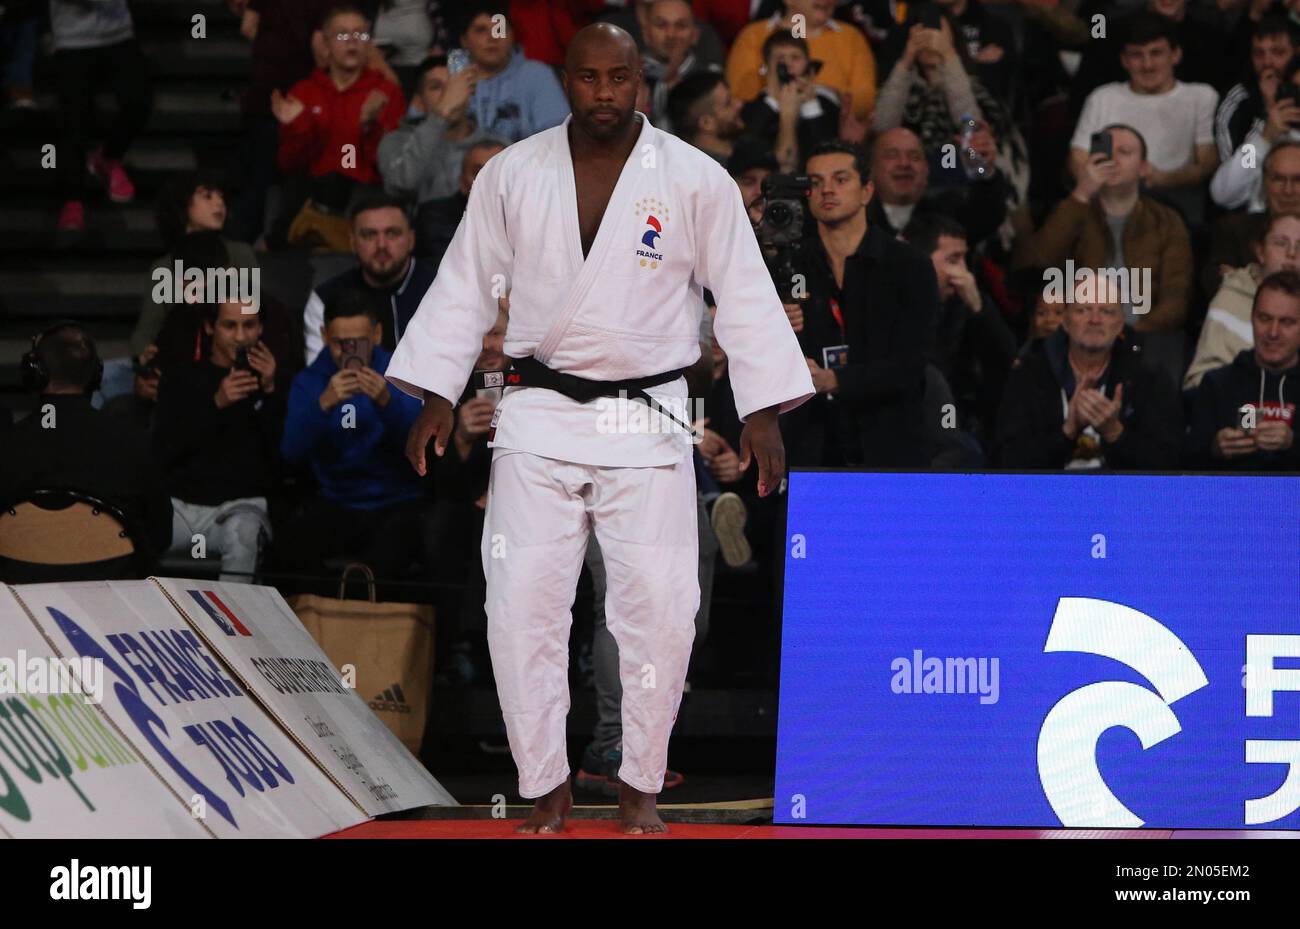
(539,512)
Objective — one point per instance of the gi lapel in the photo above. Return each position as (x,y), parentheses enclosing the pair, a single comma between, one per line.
(590,268)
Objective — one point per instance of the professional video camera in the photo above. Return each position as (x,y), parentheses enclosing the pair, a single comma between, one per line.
(780,231)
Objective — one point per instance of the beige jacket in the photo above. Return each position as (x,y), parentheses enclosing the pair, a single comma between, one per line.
(1227,330)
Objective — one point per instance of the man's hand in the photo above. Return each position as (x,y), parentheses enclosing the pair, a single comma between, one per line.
(1233,443)
(967,289)
(824,379)
(1273,435)
(146,387)
(1103,414)
(374,105)
(1281,115)
(761,439)
(374,386)
(342,385)
(456,94)
(1093,176)
(1074,421)
(434,424)
(788,101)
(794,313)
(725,465)
(852,129)
(475,418)
(263,364)
(989,55)
(235,386)
(286,109)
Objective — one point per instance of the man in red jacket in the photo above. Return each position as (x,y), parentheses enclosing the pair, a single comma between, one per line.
(331,122)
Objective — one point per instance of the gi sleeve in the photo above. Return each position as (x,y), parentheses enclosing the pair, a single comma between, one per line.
(764,361)
(444,338)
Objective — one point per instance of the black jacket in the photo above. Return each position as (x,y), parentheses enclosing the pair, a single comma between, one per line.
(1041,382)
(974,352)
(209,455)
(396,305)
(1217,402)
(888,303)
(108,457)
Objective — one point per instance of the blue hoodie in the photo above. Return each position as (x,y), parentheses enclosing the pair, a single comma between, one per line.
(525,98)
(363,466)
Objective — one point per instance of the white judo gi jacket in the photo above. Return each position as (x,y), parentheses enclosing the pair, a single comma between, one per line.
(675,224)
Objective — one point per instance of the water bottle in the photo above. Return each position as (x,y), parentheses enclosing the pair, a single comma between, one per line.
(972,162)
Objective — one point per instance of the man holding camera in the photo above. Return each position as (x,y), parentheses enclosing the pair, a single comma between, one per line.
(216,431)
(867,326)
(349,428)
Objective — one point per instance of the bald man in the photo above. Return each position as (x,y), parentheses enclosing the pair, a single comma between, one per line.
(604,231)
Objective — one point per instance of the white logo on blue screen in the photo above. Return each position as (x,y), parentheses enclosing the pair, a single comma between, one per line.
(1067,741)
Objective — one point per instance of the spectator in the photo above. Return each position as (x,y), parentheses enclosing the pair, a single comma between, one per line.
(901,176)
(514,97)
(874,300)
(94,47)
(403,34)
(189,203)
(1107,222)
(1244,413)
(216,434)
(383,241)
(793,114)
(671,37)
(1238,180)
(436,220)
(932,92)
(331,122)
(1227,330)
(1246,106)
(989,43)
(350,428)
(705,114)
(1176,120)
(1234,236)
(422,159)
(750,164)
(1082,399)
(973,348)
(847,65)
(67,444)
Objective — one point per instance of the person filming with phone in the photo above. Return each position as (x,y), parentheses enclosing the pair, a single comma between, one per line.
(1239,181)
(348,428)
(216,431)
(1109,222)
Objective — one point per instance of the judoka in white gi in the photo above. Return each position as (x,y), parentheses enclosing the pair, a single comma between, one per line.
(604,231)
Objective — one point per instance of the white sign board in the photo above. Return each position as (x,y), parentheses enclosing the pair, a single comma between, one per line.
(199,729)
(258,635)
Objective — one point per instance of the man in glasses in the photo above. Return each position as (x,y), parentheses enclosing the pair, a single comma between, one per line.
(331,122)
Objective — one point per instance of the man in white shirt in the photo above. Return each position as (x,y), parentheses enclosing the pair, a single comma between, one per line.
(604,231)
(1176,119)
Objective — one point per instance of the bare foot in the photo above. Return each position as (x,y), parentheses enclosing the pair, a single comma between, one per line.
(637,812)
(549,810)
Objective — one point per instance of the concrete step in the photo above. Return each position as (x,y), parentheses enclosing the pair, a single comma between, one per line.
(109,227)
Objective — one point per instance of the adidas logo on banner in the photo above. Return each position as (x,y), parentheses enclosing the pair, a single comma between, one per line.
(392,700)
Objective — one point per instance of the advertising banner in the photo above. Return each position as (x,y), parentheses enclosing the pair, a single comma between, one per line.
(182,712)
(1041,650)
(258,635)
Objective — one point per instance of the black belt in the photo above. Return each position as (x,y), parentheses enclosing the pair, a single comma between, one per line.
(529,372)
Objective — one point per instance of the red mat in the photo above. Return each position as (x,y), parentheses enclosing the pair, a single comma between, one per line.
(608,829)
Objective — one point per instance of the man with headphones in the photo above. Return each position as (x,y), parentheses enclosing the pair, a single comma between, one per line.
(66,444)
